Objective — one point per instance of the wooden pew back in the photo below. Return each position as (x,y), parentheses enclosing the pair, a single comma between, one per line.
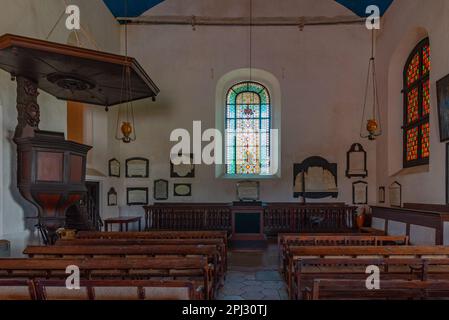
(297,253)
(113,268)
(17,289)
(389,290)
(117,290)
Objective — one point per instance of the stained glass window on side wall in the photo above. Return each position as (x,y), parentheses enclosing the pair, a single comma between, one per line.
(417,106)
(248,124)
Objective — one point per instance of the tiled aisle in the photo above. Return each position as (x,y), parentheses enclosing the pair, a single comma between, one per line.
(253,275)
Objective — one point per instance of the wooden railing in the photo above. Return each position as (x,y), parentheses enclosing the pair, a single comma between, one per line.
(198,216)
(283,217)
(278,217)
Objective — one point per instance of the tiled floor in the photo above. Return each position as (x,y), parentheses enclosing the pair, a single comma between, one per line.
(253,275)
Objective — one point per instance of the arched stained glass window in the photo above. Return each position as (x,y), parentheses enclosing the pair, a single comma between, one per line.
(417,106)
(248,124)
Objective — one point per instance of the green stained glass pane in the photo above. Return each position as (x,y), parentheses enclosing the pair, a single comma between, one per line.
(265,111)
(248,146)
(232,95)
(230,124)
(264,97)
(230,111)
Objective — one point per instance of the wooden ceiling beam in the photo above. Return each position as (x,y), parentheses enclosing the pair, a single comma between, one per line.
(243,21)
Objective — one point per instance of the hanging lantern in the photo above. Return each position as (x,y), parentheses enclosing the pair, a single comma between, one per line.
(125,130)
(371,126)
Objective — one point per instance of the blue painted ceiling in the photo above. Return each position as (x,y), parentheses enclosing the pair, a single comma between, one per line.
(134,8)
(359,6)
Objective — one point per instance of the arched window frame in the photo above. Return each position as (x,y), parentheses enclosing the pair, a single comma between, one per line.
(416,127)
(230,125)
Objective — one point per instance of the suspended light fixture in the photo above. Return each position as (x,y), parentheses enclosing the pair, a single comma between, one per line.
(125,130)
(371,126)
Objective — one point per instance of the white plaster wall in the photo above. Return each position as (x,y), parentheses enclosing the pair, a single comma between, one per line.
(35,19)
(407,22)
(321,73)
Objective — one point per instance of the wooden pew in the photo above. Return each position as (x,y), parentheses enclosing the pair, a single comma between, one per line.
(154,235)
(335,240)
(208,251)
(389,290)
(219,243)
(196,269)
(223,235)
(17,289)
(117,290)
(297,253)
(308,270)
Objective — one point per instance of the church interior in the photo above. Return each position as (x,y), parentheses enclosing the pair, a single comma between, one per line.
(224,150)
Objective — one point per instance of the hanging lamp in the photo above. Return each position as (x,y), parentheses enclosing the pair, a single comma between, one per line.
(371,126)
(126,129)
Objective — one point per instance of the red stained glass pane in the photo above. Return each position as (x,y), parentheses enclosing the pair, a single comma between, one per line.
(412,106)
(426,59)
(413,70)
(412,144)
(426,98)
(425,140)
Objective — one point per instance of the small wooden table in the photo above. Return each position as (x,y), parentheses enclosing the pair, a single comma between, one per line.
(122,221)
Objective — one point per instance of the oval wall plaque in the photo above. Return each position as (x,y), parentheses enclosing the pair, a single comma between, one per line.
(183,190)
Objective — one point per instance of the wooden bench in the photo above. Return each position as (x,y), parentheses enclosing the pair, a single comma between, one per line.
(117,290)
(17,289)
(154,235)
(307,270)
(208,251)
(223,235)
(219,243)
(389,290)
(297,253)
(192,269)
(335,240)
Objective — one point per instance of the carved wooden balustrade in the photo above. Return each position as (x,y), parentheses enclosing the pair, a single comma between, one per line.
(196,216)
(278,217)
(312,218)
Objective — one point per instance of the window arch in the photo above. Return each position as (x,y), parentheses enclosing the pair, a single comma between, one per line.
(417,106)
(248,125)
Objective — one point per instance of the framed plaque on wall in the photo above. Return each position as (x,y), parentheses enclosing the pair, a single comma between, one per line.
(356,162)
(182,190)
(160,191)
(114,168)
(112,197)
(136,196)
(395,194)
(186,169)
(360,192)
(137,168)
(381,196)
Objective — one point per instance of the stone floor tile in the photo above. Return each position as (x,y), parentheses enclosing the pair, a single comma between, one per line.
(252,295)
(252,289)
(232,298)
